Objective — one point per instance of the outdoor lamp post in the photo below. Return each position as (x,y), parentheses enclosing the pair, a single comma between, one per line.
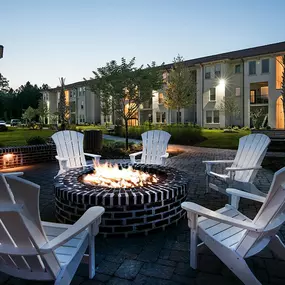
(1,51)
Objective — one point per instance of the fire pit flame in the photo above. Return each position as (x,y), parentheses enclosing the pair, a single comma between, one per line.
(113,176)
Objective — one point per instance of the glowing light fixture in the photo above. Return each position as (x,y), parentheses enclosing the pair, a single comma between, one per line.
(222,82)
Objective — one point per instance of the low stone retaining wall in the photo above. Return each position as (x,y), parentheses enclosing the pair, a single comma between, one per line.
(26,155)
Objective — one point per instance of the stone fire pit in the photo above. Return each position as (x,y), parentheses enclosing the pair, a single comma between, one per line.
(138,209)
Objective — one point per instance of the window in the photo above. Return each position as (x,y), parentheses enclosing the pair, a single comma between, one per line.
(158,117)
(265,65)
(237,68)
(160,98)
(238,91)
(82,105)
(207,72)
(212,117)
(252,96)
(163,117)
(216,116)
(212,94)
(252,67)
(218,70)
(264,91)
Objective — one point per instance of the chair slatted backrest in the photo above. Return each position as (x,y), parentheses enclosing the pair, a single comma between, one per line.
(154,146)
(21,232)
(251,151)
(69,144)
(271,216)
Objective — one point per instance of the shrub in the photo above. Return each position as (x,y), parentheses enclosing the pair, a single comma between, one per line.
(35,140)
(235,128)
(3,128)
(245,128)
(180,134)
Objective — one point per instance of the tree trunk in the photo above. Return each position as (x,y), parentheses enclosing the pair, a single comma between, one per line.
(127,134)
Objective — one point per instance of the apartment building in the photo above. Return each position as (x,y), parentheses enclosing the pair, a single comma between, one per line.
(251,77)
(83,104)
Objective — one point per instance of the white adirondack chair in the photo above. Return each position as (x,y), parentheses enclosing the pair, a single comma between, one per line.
(154,148)
(36,250)
(70,153)
(251,151)
(232,236)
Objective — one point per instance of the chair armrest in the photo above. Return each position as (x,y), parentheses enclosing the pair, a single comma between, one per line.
(61,158)
(243,168)
(13,174)
(166,155)
(202,211)
(246,195)
(87,219)
(217,161)
(133,156)
(92,155)
(136,154)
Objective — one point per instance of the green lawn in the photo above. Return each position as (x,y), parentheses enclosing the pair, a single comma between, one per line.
(219,139)
(18,136)
(214,138)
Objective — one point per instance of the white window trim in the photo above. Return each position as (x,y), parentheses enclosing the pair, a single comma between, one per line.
(239,67)
(268,66)
(208,72)
(237,92)
(210,95)
(251,74)
(212,123)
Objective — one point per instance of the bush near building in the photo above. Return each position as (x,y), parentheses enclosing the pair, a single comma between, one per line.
(180,134)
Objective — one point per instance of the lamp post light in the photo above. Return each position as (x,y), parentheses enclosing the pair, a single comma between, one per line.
(1,51)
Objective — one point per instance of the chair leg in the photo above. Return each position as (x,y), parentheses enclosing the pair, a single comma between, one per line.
(207,183)
(193,240)
(234,201)
(277,246)
(91,260)
(234,262)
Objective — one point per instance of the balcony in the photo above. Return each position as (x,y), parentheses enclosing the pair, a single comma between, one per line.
(259,99)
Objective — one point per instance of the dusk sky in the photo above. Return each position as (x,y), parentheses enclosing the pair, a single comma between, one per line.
(45,40)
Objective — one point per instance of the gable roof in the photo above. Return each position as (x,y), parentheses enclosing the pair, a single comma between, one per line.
(243,53)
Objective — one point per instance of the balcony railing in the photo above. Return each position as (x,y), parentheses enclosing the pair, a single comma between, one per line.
(259,99)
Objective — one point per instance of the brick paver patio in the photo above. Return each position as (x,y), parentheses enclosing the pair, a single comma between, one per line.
(163,257)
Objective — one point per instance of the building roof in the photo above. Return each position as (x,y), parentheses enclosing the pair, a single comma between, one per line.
(243,53)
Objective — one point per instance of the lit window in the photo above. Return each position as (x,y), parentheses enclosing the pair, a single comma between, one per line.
(218,70)
(252,96)
(160,98)
(237,68)
(212,94)
(265,65)
(238,91)
(207,72)
(252,67)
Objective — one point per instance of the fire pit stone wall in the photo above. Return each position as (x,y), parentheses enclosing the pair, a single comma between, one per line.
(127,211)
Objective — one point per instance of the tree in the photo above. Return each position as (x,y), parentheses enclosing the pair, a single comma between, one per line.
(29,114)
(4,84)
(42,110)
(62,109)
(230,106)
(257,116)
(126,87)
(181,87)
